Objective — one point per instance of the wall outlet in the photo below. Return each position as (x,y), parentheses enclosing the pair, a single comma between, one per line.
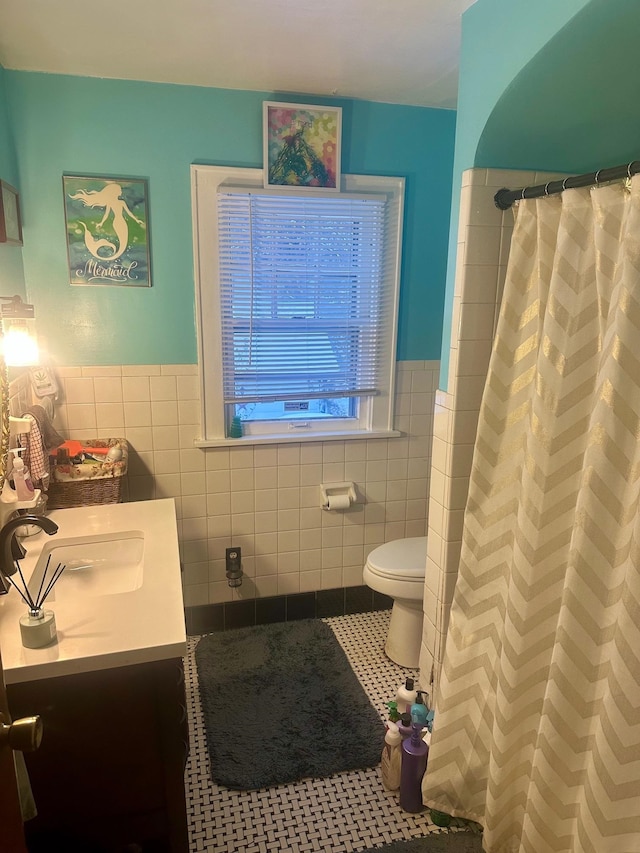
(233,560)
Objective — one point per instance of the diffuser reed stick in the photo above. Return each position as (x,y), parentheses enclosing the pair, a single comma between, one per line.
(59,570)
(46,585)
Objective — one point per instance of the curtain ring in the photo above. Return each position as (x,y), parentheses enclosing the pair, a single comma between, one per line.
(522,193)
(598,175)
(546,188)
(629,170)
(564,184)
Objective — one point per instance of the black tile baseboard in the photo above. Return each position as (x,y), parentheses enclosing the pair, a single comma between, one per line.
(207,618)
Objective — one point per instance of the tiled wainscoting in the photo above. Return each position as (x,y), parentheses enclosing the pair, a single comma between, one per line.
(264,499)
(484,238)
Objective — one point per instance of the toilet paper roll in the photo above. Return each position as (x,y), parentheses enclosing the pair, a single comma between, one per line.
(339,502)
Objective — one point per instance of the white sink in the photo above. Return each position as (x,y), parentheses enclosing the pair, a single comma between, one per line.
(126,608)
(103,564)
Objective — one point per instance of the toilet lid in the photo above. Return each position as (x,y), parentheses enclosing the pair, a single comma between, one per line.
(400,558)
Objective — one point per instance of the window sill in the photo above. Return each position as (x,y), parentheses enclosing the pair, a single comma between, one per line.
(296,438)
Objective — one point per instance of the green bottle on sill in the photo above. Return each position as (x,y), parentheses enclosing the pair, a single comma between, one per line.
(235,430)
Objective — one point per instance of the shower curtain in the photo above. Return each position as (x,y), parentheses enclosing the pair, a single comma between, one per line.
(537,724)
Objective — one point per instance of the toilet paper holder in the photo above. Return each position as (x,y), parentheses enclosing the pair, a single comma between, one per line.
(334,493)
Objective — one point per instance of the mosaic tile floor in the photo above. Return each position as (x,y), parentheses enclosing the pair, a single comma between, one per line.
(343,813)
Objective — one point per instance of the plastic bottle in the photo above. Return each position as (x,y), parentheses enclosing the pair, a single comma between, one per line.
(440,818)
(8,487)
(404,725)
(394,716)
(22,480)
(235,430)
(406,696)
(391,763)
(430,718)
(419,710)
(414,762)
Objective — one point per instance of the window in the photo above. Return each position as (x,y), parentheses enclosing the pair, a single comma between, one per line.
(296,297)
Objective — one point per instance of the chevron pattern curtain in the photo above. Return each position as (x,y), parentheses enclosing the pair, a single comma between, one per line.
(537,726)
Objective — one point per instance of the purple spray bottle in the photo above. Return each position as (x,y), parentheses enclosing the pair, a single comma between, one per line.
(414,763)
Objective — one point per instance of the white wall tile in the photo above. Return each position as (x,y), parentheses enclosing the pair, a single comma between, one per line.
(188,412)
(476,321)
(482,245)
(163,388)
(79,390)
(137,414)
(289,477)
(82,416)
(266,499)
(473,358)
(164,413)
(145,370)
(331,578)
(241,457)
(418,489)
(191,460)
(187,387)
(135,389)
(355,451)
(242,479)
(311,453)
(265,457)
(218,482)
(109,417)
(107,389)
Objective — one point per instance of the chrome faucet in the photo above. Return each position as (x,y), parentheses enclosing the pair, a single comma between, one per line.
(12,550)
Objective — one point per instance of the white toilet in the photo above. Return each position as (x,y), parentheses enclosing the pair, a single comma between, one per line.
(397,569)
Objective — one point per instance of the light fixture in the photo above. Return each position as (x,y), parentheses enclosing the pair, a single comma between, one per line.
(19,339)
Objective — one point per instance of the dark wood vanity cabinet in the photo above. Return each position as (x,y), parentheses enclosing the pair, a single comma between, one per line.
(109,774)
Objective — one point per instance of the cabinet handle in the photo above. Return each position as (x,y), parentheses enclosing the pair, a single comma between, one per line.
(23,735)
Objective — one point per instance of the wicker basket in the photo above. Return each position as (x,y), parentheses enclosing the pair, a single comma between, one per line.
(91,482)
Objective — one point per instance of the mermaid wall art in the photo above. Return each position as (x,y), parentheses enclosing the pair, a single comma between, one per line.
(107,231)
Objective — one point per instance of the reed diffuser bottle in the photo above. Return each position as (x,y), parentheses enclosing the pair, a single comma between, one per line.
(38,626)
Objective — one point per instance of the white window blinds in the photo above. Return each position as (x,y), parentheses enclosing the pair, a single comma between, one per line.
(302,294)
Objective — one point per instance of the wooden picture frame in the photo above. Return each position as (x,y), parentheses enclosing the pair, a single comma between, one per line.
(10,220)
(301,146)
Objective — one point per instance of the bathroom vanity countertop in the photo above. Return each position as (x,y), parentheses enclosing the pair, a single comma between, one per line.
(106,631)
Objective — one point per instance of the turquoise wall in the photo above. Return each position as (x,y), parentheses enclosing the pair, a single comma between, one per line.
(499,38)
(581,119)
(114,128)
(11,268)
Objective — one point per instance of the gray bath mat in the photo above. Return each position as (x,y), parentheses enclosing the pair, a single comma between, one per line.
(282,703)
(440,842)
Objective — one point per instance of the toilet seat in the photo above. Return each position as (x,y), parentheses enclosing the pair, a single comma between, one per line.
(400,559)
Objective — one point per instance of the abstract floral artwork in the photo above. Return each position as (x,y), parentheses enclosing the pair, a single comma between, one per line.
(302,145)
(107,230)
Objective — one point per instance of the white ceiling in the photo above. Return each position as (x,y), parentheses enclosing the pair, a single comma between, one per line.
(395,51)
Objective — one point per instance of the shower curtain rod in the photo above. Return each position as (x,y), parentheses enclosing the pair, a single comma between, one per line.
(504,198)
